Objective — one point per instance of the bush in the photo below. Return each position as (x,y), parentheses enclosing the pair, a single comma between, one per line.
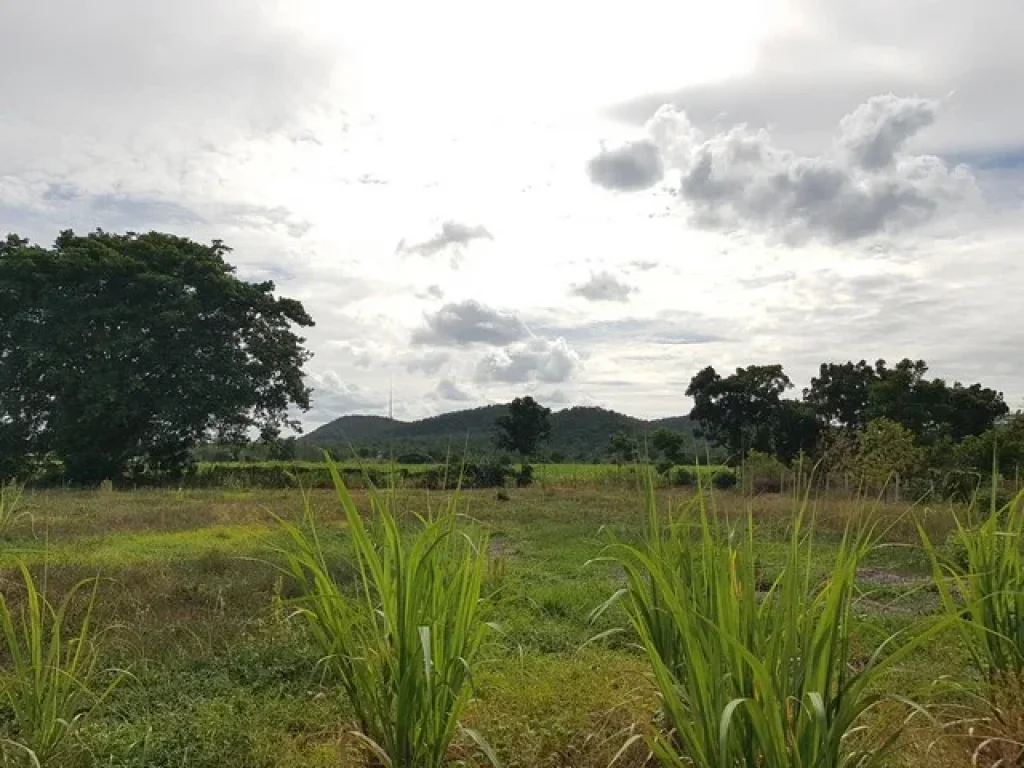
(683,477)
(663,467)
(762,473)
(525,476)
(724,479)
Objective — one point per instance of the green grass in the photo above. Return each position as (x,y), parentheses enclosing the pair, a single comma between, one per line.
(224,677)
(50,682)
(404,646)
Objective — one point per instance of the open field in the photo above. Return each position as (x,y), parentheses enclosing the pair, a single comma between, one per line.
(263,474)
(221,677)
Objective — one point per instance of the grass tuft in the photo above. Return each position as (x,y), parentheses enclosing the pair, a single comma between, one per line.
(752,673)
(404,642)
(50,684)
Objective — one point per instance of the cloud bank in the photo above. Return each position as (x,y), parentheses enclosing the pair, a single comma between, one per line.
(867,183)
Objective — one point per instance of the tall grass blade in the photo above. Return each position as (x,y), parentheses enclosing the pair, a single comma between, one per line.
(401,643)
(50,685)
(752,674)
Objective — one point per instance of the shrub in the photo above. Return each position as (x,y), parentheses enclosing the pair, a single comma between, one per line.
(683,476)
(663,467)
(724,479)
(524,476)
(404,645)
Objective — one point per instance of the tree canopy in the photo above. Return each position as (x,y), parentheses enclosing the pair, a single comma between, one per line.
(121,352)
(524,427)
(746,410)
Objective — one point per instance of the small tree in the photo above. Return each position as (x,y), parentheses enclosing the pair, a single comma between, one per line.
(671,446)
(524,427)
(886,448)
(622,448)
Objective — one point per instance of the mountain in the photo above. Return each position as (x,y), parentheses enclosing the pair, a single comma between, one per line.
(578,434)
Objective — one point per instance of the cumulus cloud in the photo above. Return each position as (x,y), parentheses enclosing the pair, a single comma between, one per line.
(875,131)
(536,360)
(469,322)
(454,236)
(633,166)
(865,184)
(603,286)
(448,390)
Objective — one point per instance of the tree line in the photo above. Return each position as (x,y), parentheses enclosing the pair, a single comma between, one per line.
(869,419)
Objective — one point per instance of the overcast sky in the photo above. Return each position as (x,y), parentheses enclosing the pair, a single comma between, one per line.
(583,202)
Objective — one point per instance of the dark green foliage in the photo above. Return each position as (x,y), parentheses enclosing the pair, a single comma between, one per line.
(121,352)
(740,411)
(674,447)
(849,395)
(839,393)
(622,448)
(724,479)
(524,426)
(682,476)
(524,477)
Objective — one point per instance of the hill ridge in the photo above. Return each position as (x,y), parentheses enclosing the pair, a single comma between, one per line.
(578,432)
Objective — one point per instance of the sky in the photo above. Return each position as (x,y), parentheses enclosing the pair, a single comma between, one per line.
(587,203)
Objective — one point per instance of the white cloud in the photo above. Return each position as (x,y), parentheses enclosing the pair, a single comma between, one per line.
(603,286)
(635,165)
(453,238)
(301,135)
(469,322)
(536,360)
(864,185)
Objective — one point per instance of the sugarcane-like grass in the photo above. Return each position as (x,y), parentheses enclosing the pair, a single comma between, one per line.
(987,591)
(403,644)
(752,673)
(50,681)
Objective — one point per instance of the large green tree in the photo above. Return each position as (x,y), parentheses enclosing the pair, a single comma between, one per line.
(740,411)
(839,394)
(124,351)
(524,427)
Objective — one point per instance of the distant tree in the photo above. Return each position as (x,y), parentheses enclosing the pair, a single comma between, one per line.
(740,411)
(524,427)
(673,447)
(885,448)
(128,350)
(1004,442)
(623,448)
(848,395)
(282,449)
(840,393)
(797,430)
(973,410)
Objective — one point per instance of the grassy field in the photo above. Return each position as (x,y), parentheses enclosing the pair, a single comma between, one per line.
(268,474)
(194,608)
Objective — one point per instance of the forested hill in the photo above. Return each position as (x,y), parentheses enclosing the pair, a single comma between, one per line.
(578,434)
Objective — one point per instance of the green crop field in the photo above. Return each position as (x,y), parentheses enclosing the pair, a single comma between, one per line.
(222,674)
